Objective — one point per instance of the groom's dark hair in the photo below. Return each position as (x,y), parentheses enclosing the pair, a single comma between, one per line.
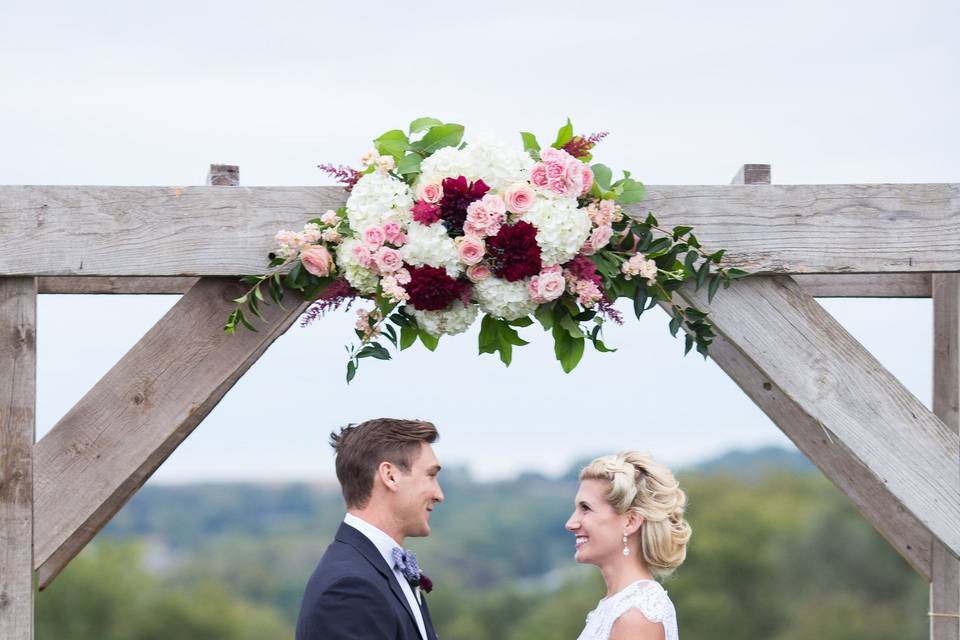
(360,448)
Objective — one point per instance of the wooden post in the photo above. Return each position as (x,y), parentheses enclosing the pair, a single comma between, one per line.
(18,383)
(945,568)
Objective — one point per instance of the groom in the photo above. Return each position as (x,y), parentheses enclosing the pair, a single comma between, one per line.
(366,585)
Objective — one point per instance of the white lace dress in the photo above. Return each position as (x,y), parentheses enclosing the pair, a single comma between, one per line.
(645,595)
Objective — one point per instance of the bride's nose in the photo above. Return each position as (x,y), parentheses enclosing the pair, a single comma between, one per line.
(572,524)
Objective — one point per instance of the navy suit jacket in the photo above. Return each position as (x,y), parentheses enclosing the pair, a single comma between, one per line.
(354,595)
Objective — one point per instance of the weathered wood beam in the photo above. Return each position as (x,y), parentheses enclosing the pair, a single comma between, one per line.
(98,455)
(864,285)
(192,231)
(945,583)
(115,285)
(857,404)
(18,384)
(874,500)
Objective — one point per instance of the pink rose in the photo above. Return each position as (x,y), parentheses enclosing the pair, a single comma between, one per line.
(430,192)
(394,233)
(548,285)
(520,197)
(470,250)
(538,175)
(482,220)
(478,272)
(388,259)
(554,156)
(494,204)
(598,240)
(373,238)
(556,171)
(363,256)
(317,260)
(587,180)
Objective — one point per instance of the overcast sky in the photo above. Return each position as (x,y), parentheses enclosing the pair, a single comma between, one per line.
(151,94)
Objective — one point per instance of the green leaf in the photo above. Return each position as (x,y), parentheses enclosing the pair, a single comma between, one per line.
(633,192)
(717,255)
(675,323)
(509,335)
(570,325)
(544,315)
(690,261)
(602,176)
(422,124)
(243,320)
(679,232)
(410,163)
(688,343)
(530,144)
(379,351)
(351,370)
(408,335)
(737,274)
(392,143)
(640,300)
(506,353)
(702,273)
(564,135)
(525,321)
(438,137)
(391,333)
(489,338)
(572,359)
(429,340)
(715,281)
(291,278)
(651,220)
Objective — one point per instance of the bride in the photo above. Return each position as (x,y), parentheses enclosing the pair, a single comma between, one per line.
(628,520)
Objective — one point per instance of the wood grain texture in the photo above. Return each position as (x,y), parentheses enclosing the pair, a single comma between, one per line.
(865,285)
(797,346)
(945,583)
(872,498)
(192,231)
(752,174)
(18,383)
(114,285)
(105,447)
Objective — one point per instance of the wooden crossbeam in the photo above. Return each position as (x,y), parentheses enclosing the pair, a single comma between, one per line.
(193,231)
(18,374)
(945,579)
(831,285)
(106,446)
(856,404)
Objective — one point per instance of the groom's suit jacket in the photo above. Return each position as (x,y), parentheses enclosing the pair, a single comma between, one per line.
(354,595)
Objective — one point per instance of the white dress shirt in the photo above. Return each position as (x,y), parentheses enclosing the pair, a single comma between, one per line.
(385,545)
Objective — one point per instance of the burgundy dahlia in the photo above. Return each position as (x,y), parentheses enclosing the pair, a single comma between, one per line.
(458,194)
(426,213)
(584,269)
(431,289)
(425,583)
(514,252)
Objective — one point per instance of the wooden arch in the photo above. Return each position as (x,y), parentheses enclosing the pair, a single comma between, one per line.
(897,461)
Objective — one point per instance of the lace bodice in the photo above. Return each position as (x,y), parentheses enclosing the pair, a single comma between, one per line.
(647,596)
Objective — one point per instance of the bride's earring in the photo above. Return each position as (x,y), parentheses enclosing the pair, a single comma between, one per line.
(626,549)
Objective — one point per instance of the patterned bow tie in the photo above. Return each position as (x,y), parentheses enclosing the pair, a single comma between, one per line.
(406,561)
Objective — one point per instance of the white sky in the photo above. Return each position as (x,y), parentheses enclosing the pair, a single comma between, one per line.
(133,94)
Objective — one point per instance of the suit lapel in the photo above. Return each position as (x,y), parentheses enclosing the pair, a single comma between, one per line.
(427,622)
(349,535)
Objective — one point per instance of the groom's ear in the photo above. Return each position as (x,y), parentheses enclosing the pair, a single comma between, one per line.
(387,474)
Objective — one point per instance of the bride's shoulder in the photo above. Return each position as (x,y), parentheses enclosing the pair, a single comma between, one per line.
(633,625)
(650,598)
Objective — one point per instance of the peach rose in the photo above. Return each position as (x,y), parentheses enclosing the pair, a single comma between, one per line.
(317,260)
(478,272)
(430,192)
(519,197)
(470,249)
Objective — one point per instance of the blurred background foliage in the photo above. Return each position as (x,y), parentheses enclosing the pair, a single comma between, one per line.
(777,553)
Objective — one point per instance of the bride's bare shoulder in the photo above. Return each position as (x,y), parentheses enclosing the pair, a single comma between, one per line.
(633,625)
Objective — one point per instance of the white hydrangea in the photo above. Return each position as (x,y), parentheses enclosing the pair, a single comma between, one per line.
(507,300)
(430,245)
(376,197)
(562,228)
(455,319)
(497,163)
(360,278)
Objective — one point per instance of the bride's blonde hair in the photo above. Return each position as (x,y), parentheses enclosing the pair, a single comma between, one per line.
(648,488)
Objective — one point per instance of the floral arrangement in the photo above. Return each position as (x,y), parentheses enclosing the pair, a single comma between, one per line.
(436,232)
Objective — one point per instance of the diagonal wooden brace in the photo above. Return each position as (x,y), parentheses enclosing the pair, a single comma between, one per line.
(844,399)
(106,447)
